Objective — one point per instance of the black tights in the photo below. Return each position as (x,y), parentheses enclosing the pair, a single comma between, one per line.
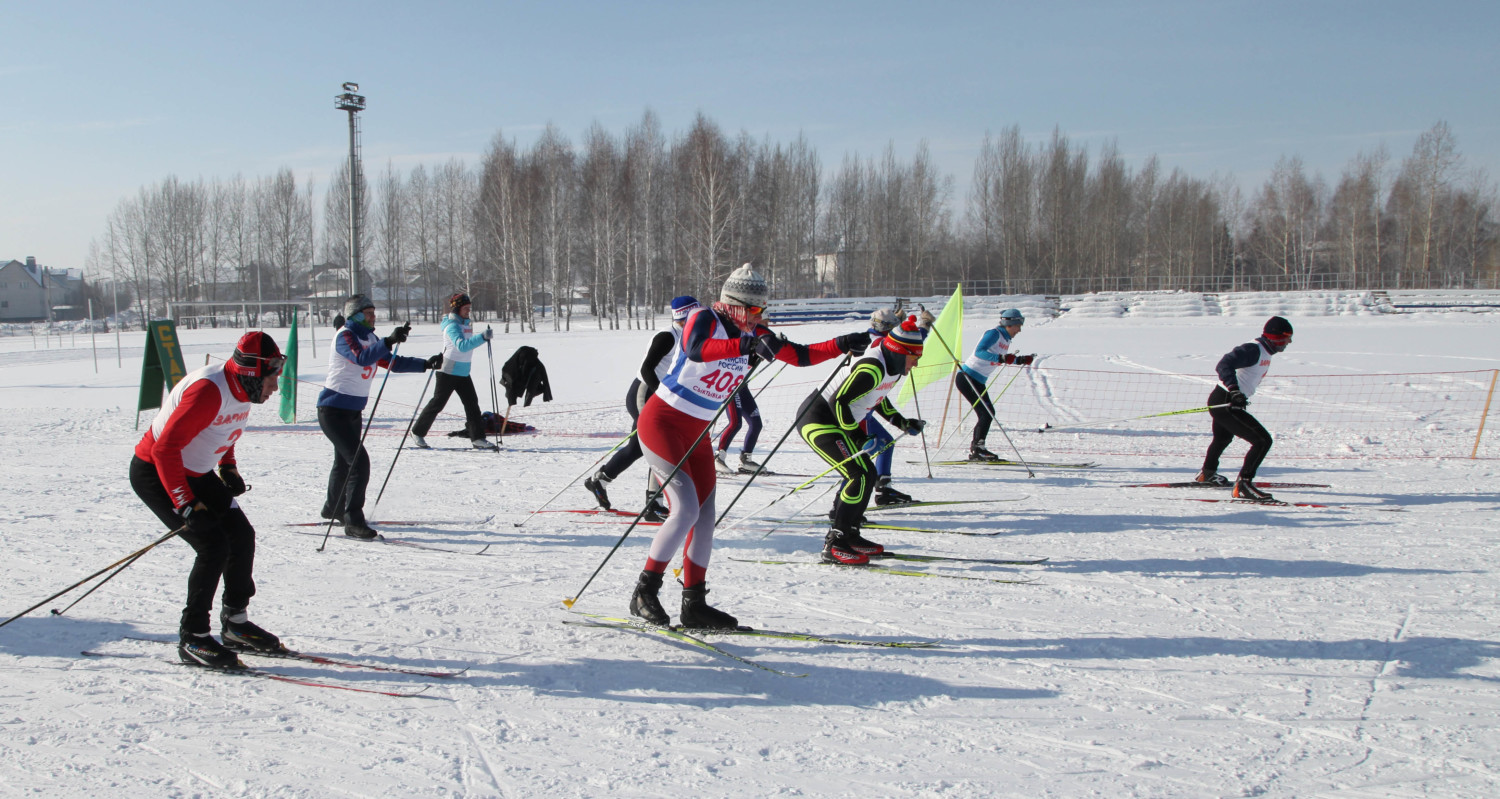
(1231,423)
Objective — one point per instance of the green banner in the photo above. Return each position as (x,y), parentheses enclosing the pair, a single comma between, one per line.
(162,366)
(938,355)
(288,387)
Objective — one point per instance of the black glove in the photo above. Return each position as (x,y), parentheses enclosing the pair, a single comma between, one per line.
(1024,360)
(1237,399)
(198,517)
(1007,358)
(914,426)
(767,345)
(435,362)
(489,333)
(853,343)
(232,480)
(398,336)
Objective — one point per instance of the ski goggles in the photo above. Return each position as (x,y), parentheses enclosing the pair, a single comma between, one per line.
(271,367)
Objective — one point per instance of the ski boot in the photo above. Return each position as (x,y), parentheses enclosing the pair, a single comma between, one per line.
(1244,488)
(355,526)
(833,515)
(655,511)
(864,546)
(483,443)
(979,454)
(644,603)
(595,485)
(720,465)
(885,495)
(243,635)
(697,615)
(200,649)
(748,466)
(1216,480)
(838,550)
(420,442)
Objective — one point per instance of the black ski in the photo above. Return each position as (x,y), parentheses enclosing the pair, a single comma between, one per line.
(919,558)
(385,523)
(895,527)
(395,542)
(1195,484)
(288,654)
(1004,462)
(635,625)
(246,671)
(935,503)
(882,570)
(778,634)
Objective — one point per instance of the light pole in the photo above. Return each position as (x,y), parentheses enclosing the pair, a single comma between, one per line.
(353,103)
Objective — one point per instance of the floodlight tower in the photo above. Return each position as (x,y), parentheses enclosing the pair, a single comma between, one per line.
(353,103)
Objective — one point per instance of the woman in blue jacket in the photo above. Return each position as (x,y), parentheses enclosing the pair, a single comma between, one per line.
(973,376)
(459,343)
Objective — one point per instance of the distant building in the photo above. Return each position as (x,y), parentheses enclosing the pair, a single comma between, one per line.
(33,293)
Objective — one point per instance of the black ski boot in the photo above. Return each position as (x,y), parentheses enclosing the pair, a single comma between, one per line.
(200,649)
(595,485)
(838,550)
(697,615)
(243,635)
(655,511)
(979,454)
(644,603)
(1244,488)
(1216,480)
(885,495)
(355,526)
(864,546)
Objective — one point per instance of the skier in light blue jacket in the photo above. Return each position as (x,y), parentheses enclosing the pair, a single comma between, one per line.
(973,375)
(459,343)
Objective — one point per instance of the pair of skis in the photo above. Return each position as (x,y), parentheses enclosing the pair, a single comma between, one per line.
(322,660)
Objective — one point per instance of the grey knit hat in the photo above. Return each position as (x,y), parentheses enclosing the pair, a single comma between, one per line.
(745,287)
(355,304)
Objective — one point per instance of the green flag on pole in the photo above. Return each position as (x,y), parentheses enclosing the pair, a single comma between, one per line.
(288,386)
(935,363)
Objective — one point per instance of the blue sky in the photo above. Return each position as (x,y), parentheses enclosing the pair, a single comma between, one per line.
(98,99)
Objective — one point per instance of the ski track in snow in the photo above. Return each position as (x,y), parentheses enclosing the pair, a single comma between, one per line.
(1168,649)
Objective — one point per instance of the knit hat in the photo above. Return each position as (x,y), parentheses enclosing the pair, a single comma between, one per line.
(905,338)
(355,304)
(883,319)
(745,287)
(1012,316)
(683,306)
(1278,331)
(256,360)
(458,300)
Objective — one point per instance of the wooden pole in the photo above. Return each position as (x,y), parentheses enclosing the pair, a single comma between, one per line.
(1494,375)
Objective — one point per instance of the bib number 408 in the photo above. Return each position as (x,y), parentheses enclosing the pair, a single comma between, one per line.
(721,381)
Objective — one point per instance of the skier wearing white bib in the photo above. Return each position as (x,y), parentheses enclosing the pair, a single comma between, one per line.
(1240,372)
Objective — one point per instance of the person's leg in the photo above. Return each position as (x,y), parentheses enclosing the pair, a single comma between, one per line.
(469,396)
(442,389)
(978,399)
(1245,426)
(351,468)
(751,413)
(733,418)
(1223,435)
(882,439)
(630,451)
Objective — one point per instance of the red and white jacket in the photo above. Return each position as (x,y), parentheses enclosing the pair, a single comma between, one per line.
(195,430)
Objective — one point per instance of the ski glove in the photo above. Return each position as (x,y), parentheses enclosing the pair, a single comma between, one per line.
(398,336)
(925,319)
(765,345)
(853,343)
(232,480)
(197,517)
(1024,360)
(1007,358)
(914,426)
(489,333)
(1237,399)
(435,362)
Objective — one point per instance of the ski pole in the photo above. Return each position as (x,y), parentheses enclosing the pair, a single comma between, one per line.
(601,458)
(772,379)
(368,422)
(917,401)
(815,478)
(984,391)
(1045,427)
(774,449)
(125,560)
(659,491)
(494,395)
(794,514)
(409,424)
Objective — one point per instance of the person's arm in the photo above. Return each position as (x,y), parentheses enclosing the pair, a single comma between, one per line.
(986,347)
(194,413)
(454,333)
(1238,358)
(354,349)
(887,410)
(661,347)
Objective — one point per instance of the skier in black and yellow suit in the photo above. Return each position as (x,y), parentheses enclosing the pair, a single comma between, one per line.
(831,428)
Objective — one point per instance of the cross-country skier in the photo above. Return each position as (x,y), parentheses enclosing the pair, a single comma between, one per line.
(1240,372)
(353,360)
(459,343)
(742,412)
(173,473)
(973,375)
(653,368)
(710,363)
(831,426)
(881,322)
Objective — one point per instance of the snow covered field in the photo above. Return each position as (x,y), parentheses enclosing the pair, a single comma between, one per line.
(1169,648)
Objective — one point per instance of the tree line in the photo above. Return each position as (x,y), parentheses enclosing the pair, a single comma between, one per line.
(619,223)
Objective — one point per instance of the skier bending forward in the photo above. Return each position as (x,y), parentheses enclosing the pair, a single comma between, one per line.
(708,367)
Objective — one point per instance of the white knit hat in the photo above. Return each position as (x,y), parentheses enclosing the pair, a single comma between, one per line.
(745,287)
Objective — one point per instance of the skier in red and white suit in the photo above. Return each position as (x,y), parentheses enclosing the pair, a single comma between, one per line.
(173,473)
(709,365)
